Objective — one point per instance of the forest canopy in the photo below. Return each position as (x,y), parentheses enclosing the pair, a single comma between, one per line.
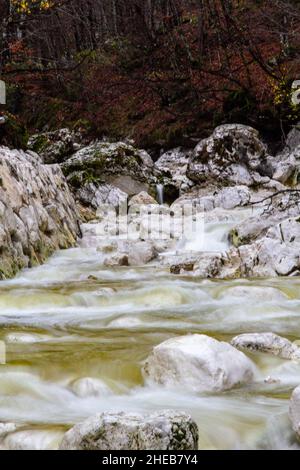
(159,71)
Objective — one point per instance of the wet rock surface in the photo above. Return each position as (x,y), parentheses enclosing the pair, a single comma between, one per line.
(164,430)
(198,363)
(267,343)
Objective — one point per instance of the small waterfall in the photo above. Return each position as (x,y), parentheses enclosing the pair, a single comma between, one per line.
(160,193)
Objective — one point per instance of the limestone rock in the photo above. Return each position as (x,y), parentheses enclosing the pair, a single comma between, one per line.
(287,162)
(95,195)
(293,139)
(173,165)
(141,253)
(164,430)
(118,164)
(267,343)
(38,214)
(130,253)
(142,198)
(198,363)
(232,154)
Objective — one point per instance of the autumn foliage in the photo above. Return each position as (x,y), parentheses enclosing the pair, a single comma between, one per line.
(160,71)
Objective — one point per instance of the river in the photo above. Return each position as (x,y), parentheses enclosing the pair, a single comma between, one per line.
(73,318)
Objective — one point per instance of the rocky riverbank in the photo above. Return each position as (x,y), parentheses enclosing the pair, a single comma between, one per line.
(38,214)
(230,170)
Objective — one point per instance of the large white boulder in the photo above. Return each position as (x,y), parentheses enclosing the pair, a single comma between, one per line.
(198,363)
(287,162)
(164,430)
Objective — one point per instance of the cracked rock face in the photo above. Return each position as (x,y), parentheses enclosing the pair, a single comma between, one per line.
(164,430)
(233,153)
(37,211)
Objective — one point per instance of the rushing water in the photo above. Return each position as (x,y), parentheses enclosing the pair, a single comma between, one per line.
(72,318)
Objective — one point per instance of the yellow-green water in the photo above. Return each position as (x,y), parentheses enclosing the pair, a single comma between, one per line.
(59,324)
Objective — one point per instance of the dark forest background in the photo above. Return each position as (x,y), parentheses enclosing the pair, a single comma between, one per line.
(163,72)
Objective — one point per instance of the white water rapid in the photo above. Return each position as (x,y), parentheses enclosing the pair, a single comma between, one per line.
(73,318)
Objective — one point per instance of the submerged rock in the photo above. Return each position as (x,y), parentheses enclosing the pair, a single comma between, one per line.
(164,430)
(267,343)
(247,292)
(294,411)
(33,439)
(198,363)
(90,387)
(38,214)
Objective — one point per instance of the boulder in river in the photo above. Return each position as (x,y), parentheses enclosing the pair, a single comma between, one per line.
(89,387)
(130,253)
(163,430)
(198,363)
(267,343)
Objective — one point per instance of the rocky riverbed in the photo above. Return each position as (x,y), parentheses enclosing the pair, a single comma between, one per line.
(203,324)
